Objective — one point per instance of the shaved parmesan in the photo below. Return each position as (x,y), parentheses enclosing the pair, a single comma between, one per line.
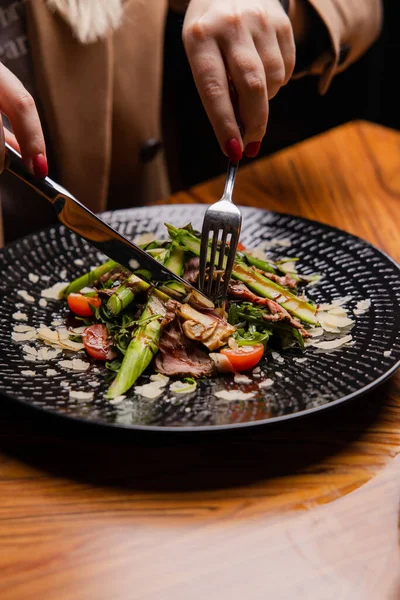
(76,364)
(78,395)
(266,383)
(232,395)
(54,292)
(276,356)
(23,337)
(151,390)
(332,344)
(117,399)
(335,303)
(43,302)
(25,296)
(51,372)
(239,378)
(34,278)
(23,328)
(362,307)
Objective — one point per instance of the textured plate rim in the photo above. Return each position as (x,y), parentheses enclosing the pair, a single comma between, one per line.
(230,426)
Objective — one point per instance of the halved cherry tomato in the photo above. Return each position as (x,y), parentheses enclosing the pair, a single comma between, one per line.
(96,342)
(245,357)
(240,247)
(80,304)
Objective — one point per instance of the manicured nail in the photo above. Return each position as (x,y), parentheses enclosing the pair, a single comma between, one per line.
(252,149)
(233,150)
(40,166)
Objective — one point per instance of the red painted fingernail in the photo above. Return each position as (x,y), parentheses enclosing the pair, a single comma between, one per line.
(40,166)
(233,150)
(252,149)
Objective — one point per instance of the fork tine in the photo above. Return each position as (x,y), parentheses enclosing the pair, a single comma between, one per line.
(203,254)
(221,259)
(230,260)
(211,266)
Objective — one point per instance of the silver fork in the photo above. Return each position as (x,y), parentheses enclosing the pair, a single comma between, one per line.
(225,218)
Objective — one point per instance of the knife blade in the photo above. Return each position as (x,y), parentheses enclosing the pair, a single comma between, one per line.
(79,219)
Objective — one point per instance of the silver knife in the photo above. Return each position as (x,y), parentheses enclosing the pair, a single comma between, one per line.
(76,217)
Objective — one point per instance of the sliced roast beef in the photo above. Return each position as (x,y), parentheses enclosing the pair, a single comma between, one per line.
(286,281)
(191,270)
(239,290)
(178,355)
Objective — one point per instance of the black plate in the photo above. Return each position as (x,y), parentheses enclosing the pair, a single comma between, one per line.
(350,267)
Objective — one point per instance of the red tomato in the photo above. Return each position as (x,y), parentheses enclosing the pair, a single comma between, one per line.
(244,358)
(80,304)
(240,247)
(96,342)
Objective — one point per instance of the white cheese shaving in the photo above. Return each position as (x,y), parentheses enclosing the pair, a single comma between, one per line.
(23,328)
(25,296)
(23,337)
(117,400)
(159,377)
(335,303)
(78,395)
(78,262)
(387,353)
(151,390)
(56,323)
(362,307)
(266,383)
(51,372)
(276,356)
(28,373)
(257,370)
(53,292)
(333,344)
(87,290)
(34,278)
(239,378)
(39,354)
(76,364)
(43,302)
(232,395)
(144,238)
(288,267)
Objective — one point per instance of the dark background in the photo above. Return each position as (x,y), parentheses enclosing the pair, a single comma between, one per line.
(367,90)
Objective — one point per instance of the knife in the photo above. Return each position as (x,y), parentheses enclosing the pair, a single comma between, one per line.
(79,219)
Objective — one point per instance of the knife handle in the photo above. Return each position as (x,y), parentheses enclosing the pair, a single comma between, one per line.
(46,187)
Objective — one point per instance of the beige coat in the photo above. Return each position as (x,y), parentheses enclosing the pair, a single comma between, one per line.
(102,100)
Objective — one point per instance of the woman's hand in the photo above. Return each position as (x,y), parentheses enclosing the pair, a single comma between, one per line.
(20,108)
(252,43)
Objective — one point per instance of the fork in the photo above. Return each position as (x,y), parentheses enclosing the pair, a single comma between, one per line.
(225,218)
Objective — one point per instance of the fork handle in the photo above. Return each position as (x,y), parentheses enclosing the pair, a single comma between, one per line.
(230,181)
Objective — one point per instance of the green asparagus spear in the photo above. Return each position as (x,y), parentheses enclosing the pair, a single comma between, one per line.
(88,278)
(143,346)
(125,293)
(144,343)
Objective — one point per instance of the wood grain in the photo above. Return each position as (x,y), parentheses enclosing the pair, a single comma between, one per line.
(305,510)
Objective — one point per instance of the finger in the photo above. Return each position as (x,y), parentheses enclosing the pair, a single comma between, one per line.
(285,38)
(247,72)
(209,73)
(20,108)
(11,139)
(273,64)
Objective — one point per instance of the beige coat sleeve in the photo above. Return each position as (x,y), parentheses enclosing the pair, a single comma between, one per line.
(353,25)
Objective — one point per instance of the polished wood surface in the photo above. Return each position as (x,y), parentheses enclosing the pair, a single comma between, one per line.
(307,510)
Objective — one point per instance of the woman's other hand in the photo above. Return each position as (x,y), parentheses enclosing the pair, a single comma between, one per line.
(20,108)
(252,43)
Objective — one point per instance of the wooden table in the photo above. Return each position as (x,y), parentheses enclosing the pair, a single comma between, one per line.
(308,510)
